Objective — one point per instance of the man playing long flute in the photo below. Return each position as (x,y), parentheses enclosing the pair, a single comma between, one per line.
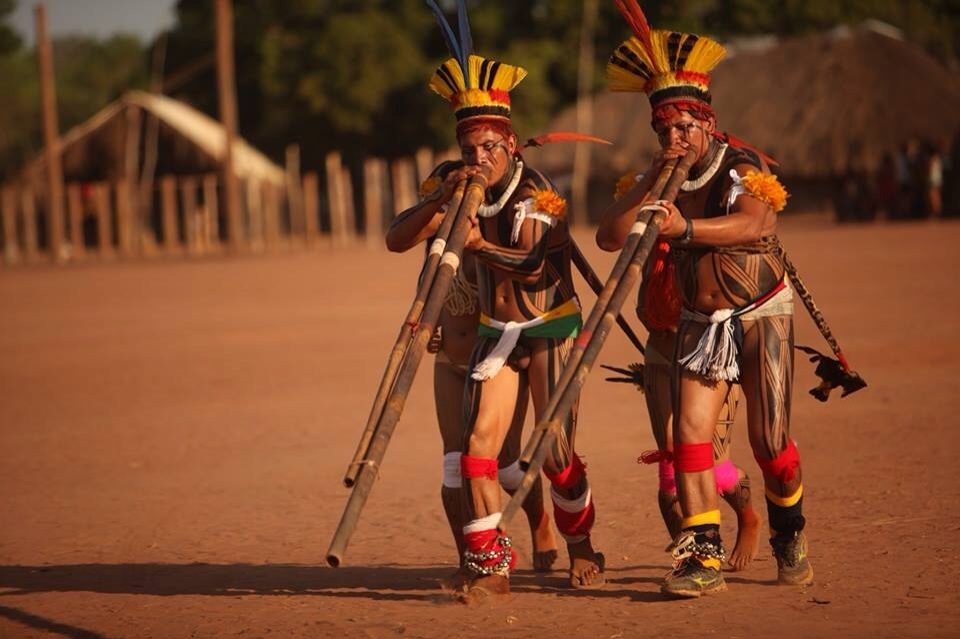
(736,325)
(529,315)
(660,315)
(453,343)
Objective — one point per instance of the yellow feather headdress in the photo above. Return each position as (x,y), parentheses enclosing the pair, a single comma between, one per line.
(474,86)
(666,65)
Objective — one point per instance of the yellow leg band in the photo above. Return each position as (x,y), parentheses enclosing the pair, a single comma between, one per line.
(785,502)
(709,517)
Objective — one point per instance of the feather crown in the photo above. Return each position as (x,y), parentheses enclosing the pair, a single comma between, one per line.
(666,65)
(474,86)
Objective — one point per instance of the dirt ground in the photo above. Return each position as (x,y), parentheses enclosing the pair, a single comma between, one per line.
(173,436)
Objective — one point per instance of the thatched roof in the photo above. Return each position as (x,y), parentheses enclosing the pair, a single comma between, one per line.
(190,142)
(818,104)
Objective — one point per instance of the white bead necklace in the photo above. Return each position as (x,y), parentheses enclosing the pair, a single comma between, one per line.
(693,185)
(489,210)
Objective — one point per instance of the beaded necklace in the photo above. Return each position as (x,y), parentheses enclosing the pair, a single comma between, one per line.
(489,210)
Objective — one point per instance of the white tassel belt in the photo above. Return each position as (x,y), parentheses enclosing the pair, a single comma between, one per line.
(510,333)
(716,354)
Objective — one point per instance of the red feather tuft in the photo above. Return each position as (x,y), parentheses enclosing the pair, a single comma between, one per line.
(638,22)
(563,136)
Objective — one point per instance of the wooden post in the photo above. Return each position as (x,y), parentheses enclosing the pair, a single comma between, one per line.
(404,191)
(191,218)
(28,210)
(168,206)
(125,228)
(581,152)
(424,161)
(373,175)
(127,189)
(311,207)
(75,212)
(101,202)
(336,199)
(255,213)
(271,214)
(51,137)
(8,204)
(226,88)
(295,191)
(211,212)
(349,208)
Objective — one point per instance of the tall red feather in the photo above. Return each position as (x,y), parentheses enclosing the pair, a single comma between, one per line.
(632,13)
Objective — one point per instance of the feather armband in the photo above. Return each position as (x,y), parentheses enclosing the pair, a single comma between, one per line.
(761,186)
(430,187)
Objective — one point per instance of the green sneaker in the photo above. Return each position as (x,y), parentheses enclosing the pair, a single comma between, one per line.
(697,569)
(793,567)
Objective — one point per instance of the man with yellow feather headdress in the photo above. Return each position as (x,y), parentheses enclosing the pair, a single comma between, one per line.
(529,312)
(734,304)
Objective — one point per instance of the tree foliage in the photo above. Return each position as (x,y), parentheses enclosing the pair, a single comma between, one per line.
(351,74)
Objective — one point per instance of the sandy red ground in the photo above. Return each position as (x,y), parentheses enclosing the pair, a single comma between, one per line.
(173,434)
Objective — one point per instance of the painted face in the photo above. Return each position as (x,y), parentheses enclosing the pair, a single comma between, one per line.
(682,129)
(485,147)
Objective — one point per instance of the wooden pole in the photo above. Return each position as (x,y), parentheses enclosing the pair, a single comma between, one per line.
(581,153)
(101,203)
(28,210)
(400,345)
(226,89)
(336,199)
(271,214)
(168,205)
(125,227)
(8,205)
(255,213)
(127,190)
(404,193)
(294,186)
(373,175)
(211,212)
(369,465)
(349,209)
(75,213)
(192,223)
(51,137)
(311,207)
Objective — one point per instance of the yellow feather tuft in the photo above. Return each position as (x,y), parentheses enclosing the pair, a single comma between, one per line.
(430,186)
(624,184)
(661,61)
(549,202)
(766,188)
(706,54)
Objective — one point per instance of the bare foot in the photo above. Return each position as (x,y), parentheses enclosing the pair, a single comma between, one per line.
(586,565)
(544,544)
(748,536)
(480,588)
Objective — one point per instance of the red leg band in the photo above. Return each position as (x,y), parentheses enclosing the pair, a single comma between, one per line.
(574,524)
(476,467)
(569,476)
(783,466)
(693,458)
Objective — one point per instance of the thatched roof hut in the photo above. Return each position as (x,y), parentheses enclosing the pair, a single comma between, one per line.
(821,105)
(114,143)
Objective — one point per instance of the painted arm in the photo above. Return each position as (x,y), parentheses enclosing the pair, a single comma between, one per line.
(749,220)
(421,221)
